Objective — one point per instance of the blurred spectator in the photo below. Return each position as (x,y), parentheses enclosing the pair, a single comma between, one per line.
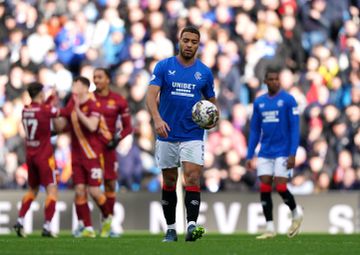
(63,161)
(130,168)
(39,43)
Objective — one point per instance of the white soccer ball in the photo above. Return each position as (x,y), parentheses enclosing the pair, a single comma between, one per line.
(205,113)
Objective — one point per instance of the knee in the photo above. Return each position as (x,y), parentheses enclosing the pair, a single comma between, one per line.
(265,187)
(192,178)
(50,198)
(97,195)
(110,185)
(281,187)
(80,199)
(170,180)
(80,191)
(30,195)
(100,199)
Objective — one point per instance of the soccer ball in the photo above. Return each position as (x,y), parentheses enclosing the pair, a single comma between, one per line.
(205,113)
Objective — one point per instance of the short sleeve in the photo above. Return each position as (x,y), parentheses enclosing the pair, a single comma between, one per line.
(157,75)
(208,90)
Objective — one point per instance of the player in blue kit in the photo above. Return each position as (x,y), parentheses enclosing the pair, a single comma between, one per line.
(181,81)
(275,123)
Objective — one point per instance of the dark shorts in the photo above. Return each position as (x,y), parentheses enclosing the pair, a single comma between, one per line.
(110,165)
(41,171)
(87,171)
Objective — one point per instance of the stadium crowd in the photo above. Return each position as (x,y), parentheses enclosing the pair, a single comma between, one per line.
(316,44)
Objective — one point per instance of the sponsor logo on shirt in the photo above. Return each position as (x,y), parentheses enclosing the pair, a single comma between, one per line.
(270,116)
(280,103)
(183,89)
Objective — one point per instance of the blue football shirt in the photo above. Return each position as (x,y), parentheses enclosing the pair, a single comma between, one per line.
(180,88)
(275,123)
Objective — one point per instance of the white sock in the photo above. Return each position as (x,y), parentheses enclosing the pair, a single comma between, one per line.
(47,225)
(296,213)
(80,223)
(270,227)
(21,221)
(90,228)
(172,226)
(191,223)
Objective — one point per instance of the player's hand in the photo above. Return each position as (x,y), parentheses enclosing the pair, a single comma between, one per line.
(249,165)
(290,162)
(161,127)
(113,143)
(76,101)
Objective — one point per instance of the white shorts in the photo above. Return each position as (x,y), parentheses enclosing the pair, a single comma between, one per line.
(273,167)
(171,154)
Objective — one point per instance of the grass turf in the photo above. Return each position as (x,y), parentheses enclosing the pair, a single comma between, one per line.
(129,244)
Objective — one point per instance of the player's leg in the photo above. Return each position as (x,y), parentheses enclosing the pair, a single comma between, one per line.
(110,194)
(47,175)
(167,156)
(100,200)
(85,228)
(95,179)
(265,172)
(281,178)
(27,199)
(192,158)
(109,164)
(30,195)
(79,176)
(169,201)
(50,204)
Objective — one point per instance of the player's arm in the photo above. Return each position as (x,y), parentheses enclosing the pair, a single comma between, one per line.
(214,101)
(255,130)
(125,120)
(161,127)
(294,122)
(90,122)
(209,93)
(60,124)
(126,126)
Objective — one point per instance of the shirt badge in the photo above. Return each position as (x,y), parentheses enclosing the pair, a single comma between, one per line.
(197,76)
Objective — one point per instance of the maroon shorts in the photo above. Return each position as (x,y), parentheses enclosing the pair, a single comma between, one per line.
(109,163)
(41,171)
(87,171)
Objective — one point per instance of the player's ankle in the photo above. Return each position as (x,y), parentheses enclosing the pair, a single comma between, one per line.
(89,228)
(296,213)
(20,220)
(270,227)
(171,226)
(191,223)
(46,225)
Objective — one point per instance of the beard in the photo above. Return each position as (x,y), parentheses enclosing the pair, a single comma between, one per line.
(186,55)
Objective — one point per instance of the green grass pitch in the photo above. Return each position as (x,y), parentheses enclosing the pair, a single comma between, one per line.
(134,243)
